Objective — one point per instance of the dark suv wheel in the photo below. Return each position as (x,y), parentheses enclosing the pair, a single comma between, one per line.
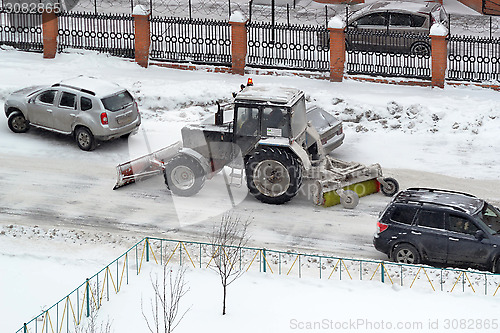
(405,254)
(496,266)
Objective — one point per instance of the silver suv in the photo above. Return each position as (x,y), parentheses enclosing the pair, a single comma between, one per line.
(394,26)
(90,109)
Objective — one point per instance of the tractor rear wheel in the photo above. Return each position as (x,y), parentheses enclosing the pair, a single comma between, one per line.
(184,175)
(274,175)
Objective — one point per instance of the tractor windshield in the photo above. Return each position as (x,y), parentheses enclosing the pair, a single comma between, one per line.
(275,121)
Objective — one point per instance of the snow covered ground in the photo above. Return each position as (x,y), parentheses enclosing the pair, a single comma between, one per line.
(260,302)
(60,221)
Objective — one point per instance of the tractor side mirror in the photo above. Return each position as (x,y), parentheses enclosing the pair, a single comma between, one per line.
(479,235)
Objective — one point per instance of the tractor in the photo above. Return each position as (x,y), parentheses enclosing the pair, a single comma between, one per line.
(267,136)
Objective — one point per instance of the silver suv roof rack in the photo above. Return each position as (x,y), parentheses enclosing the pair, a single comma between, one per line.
(73,87)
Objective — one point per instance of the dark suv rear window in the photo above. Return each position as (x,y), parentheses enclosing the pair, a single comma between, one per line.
(118,101)
(430,219)
(403,214)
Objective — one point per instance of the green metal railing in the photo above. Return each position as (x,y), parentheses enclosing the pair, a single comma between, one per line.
(69,312)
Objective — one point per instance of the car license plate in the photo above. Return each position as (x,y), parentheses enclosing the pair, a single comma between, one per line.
(124,119)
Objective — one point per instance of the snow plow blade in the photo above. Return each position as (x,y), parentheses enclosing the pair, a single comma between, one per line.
(146,166)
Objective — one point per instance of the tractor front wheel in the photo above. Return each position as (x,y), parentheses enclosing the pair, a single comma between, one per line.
(274,175)
(184,175)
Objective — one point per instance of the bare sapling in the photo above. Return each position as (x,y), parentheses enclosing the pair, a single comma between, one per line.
(169,289)
(226,241)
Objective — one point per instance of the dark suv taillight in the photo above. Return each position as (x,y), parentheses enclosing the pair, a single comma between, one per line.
(381,227)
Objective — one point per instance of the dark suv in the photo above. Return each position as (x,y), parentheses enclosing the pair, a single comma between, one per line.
(438,226)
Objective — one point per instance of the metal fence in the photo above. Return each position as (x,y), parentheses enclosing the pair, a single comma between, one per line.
(72,309)
(388,54)
(113,34)
(288,46)
(22,31)
(473,59)
(196,41)
(279,46)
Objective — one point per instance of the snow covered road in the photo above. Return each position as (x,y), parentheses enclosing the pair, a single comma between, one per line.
(422,136)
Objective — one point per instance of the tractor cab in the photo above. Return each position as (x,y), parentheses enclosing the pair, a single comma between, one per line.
(274,115)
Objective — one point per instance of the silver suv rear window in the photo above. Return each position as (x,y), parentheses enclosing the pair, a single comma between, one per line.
(118,101)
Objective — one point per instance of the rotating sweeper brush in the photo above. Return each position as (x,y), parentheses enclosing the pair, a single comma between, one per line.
(337,181)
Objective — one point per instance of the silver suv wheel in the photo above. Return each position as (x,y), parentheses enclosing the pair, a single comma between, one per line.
(85,139)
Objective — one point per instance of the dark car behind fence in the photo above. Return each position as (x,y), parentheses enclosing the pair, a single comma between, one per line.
(22,31)
(288,46)
(473,58)
(113,34)
(388,54)
(201,41)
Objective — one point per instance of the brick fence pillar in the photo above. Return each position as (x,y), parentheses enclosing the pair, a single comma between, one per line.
(238,43)
(337,49)
(50,30)
(142,35)
(439,54)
